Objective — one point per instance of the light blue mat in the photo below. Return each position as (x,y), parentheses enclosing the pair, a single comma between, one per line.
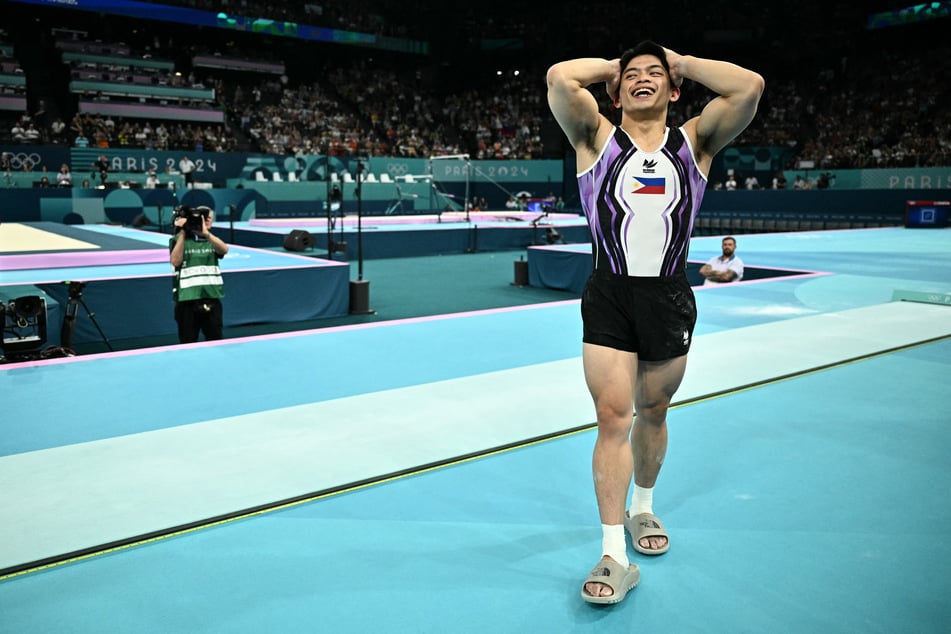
(784,507)
(783,500)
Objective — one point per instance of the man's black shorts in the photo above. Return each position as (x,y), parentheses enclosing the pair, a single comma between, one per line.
(652,316)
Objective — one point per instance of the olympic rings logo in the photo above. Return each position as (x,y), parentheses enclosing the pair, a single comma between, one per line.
(18,159)
(397,169)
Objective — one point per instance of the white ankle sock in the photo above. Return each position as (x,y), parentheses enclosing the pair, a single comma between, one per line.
(613,543)
(642,501)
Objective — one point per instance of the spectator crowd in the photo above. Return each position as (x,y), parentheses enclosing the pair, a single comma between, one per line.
(884,108)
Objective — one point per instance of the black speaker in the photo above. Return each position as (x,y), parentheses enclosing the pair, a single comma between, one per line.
(299,240)
(521,273)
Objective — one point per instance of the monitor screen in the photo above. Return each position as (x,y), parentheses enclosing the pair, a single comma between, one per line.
(927,213)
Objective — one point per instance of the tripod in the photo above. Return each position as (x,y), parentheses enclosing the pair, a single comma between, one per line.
(69,316)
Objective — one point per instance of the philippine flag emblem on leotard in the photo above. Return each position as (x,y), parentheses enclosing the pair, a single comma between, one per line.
(649,185)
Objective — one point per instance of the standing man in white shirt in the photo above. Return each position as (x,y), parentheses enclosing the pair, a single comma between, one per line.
(187,167)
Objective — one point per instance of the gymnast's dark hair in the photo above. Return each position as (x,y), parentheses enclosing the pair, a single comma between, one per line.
(647,47)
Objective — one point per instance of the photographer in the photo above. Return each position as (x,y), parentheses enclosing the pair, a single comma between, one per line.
(825,180)
(198,285)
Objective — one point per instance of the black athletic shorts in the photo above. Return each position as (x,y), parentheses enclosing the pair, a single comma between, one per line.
(652,316)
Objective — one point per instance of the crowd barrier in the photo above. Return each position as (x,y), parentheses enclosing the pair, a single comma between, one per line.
(721,211)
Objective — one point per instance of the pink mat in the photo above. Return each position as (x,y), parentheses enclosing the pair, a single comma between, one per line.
(81,258)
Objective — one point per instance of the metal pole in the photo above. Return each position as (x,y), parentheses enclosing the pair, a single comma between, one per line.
(359,219)
(360,288)
(330,226)
(468,167)
(433,199)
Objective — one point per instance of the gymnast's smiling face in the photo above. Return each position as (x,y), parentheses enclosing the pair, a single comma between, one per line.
(645,86)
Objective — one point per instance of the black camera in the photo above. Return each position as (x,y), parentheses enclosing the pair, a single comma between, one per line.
(194,217)
(75,289)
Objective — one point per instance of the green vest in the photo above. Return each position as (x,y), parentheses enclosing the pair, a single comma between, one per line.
(199,276)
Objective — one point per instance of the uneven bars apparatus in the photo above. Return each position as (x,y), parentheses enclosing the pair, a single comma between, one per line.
(400,196)
(411,178)
(465,157)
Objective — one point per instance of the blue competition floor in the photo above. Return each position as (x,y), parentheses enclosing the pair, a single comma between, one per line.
(383,238)
(860,253)
(803,487)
